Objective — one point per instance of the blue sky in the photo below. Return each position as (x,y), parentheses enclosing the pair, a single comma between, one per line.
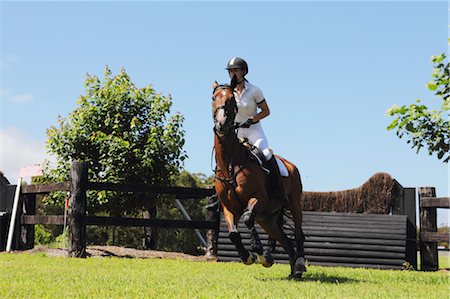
(329,72)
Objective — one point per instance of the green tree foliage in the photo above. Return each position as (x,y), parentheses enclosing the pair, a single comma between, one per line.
(424,127)
(125,134)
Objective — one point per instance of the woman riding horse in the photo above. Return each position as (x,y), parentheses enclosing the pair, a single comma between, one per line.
(249,98)
(241,187)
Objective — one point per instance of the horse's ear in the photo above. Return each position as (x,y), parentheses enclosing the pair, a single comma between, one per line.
(233,82)
(215,84)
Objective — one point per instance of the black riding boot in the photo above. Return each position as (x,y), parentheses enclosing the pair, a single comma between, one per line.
(276,182)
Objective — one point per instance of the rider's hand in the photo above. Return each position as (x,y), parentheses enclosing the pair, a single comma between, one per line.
(247,123)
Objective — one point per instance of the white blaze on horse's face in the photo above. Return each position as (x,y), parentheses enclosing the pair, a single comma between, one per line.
(221,117)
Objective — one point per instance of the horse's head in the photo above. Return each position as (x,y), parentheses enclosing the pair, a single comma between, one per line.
(224,107)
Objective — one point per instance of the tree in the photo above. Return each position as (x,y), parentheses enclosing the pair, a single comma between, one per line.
(125,134)
(425,127)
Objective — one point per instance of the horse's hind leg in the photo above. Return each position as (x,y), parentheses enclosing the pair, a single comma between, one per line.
(294,206)
(272,226)
(247,257)
(300,262)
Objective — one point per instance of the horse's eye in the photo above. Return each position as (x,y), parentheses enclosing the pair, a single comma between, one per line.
(213,99)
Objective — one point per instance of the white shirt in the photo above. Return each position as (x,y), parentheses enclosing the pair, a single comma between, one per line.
(248,101)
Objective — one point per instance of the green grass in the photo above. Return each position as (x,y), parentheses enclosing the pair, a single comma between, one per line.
(444,262)
(37,276)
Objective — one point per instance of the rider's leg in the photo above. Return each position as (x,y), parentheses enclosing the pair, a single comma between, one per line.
(256,136)
(276,179)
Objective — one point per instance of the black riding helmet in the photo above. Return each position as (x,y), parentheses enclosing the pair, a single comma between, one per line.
(237,63)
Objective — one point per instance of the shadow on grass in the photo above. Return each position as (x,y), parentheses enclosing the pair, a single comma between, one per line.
(322,278)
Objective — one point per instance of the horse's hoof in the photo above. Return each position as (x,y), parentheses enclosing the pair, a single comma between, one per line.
(266,259)
(300,266)
(250,260)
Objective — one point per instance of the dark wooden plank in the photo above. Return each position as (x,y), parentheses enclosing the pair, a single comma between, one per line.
(350,246)
(341,237)
(368,225)
(369,266)
(180,192)
(311,229)
(45,188)
(434,237)
(223,239)
(393,231)
(339,219)
(356,216)
(400,242)
(331,252)
(42,219)
(329,233)
(317,247)
(435,202)
(353,253)
(119,221)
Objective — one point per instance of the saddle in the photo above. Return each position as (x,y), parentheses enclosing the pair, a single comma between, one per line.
(258,157)
(255,154)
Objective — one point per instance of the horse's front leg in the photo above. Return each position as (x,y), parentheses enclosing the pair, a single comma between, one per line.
(247,257)
(264,257)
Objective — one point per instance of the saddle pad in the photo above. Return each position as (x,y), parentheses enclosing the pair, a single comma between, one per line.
(283,169)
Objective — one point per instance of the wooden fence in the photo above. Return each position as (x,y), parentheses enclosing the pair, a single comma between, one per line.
(429,237)
(336,239)
(77,218)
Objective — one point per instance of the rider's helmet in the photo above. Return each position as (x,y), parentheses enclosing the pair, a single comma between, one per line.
(237,63)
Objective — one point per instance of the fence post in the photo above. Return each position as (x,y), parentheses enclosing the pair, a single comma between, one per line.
(212,235)
(405,204)
(27,231)
(77,210)
(428,217)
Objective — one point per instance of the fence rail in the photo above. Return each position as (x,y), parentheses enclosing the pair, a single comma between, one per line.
(77,218)
(429,237)
(46,188)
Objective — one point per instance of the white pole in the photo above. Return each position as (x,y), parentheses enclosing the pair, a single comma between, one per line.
(186,215)
(13,215)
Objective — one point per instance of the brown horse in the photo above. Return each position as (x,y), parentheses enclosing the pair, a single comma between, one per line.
(241,187)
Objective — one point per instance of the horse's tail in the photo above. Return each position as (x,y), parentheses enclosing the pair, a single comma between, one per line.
(298,179)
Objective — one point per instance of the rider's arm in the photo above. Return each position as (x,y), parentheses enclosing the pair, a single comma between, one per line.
(263,113)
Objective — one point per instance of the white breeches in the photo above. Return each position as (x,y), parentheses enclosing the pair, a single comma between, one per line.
(256,136)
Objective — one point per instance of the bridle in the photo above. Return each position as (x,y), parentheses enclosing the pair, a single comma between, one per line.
(229,123)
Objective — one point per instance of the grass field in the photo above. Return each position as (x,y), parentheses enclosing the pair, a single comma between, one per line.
(38,276)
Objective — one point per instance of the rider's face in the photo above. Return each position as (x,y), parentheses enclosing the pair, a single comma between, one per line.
(238,72)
